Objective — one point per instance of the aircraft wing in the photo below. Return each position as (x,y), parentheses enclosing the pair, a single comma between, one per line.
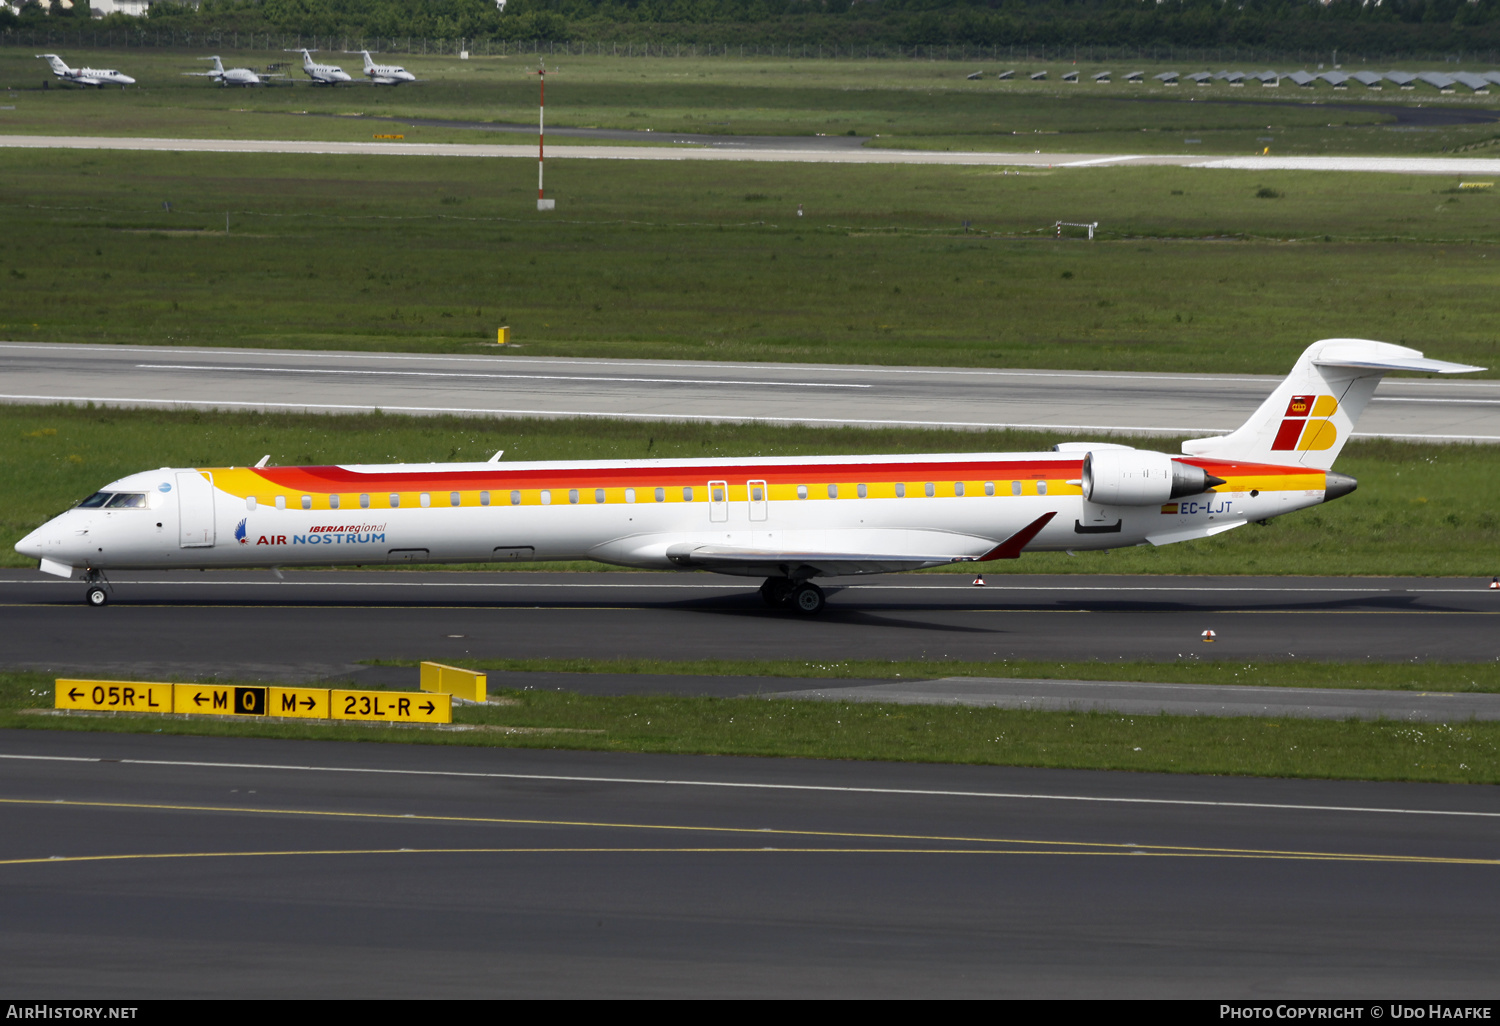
(751,562)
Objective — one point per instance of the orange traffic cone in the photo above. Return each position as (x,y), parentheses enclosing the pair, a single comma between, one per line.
(1209,636)
(979,580)
(1495,583)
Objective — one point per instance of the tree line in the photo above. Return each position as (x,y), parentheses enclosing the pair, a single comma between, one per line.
(1386,27)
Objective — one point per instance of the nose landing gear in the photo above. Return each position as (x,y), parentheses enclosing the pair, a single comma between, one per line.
(805,598)
(98,591)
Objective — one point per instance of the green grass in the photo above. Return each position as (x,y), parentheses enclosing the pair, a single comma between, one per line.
(1445,677)
(1423,510)
(920,104)
(1450,753)
(1195,270)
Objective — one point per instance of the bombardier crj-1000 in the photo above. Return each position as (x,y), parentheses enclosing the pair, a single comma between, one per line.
(788,520)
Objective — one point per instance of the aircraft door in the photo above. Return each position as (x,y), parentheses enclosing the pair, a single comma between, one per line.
(758,497)
(718,501)
(195,510)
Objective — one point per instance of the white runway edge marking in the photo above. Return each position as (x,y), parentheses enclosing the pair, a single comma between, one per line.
(769,382)
(711,417)
(828,788)
(498,377)
(1148,380)
(639,585)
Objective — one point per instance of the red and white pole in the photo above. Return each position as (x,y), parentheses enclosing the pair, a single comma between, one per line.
(541,130)
(542,203)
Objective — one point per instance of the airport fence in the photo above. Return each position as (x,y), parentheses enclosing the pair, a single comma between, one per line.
(50,37)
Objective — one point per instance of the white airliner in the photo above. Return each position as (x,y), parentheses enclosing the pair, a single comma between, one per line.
(384,74)
(322,74)
(100,77)
(788,519)
(230,76)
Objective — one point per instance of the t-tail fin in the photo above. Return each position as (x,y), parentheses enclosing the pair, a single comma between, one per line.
(1310,416)
(59,67)
(368,62)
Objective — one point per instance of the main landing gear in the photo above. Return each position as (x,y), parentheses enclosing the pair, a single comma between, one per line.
(805,597)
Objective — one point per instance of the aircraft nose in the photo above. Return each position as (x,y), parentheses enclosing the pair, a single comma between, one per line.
(127,80)
(31,545)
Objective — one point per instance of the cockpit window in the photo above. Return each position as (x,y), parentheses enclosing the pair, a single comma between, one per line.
(96,500)
(128,500)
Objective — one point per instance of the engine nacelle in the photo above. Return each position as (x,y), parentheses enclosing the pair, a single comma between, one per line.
(1135,477)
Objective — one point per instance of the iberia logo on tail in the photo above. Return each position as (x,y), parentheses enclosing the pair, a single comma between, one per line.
(1306,424)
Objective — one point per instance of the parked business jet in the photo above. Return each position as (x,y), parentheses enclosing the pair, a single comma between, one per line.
(230,76)
(384,74)
(788,520)
(322,74)
(100,77)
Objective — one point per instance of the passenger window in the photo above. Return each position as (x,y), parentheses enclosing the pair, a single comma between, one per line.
(307,502)
(395,500)
(1015,488)
(484,498)
(333,502)
(250,503)
(573,496)
(661,495)
(630,495)
(95,501)
(833,491)
(425,499)
(718,495)
(453,499)
(958,488)
(1041,487)
(863,491)
(599,495)
(989,488)
(900,489)
(757,494)
(364,500)
(281,502)
(930,489)
(802,491)
(687,495)
(546,497)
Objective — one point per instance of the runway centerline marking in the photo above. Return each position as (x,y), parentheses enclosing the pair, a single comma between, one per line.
(498,377)
(1030,846)
(742,785)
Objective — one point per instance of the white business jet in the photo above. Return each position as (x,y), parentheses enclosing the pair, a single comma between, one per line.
(384,74)
(230,76)
(321,74)
(787,520)
(100,77)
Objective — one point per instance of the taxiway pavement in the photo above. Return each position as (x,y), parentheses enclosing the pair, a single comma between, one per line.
(513,385)
(152,866)
(323,625)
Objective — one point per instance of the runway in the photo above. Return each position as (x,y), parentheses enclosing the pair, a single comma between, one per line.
(512,385)
(790,154)
(151,866)
(322,625)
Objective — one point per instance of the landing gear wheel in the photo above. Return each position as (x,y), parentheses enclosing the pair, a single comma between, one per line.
(96,596)
(808,599)
(775,591)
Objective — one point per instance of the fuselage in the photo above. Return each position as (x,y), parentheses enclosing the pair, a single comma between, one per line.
(941,508)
